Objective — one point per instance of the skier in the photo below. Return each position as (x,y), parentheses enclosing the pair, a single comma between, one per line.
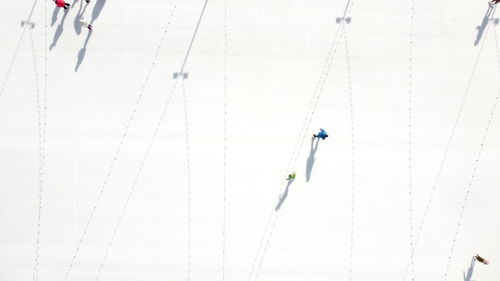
(62,4)
(88,1)
(291,176)
(480,259)
(493,2)
(322,134)
(85,24)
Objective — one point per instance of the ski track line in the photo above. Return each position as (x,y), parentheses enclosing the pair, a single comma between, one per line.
(117,153)
(300,141)
(474,170)
(445,154)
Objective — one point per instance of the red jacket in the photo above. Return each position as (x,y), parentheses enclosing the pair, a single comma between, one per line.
(60,3)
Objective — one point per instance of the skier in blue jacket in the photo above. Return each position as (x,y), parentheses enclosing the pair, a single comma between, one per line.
(322,134)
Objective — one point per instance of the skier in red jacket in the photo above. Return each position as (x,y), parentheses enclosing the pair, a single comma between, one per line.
(62,4)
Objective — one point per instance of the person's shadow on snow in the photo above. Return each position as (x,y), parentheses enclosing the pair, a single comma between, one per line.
(59,30)
(481,28)
(283,196)
(54,16)
(311,159)
(98,6)
(468,277)
(81,53)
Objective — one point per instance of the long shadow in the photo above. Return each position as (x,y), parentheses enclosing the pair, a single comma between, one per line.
(98,6)
(59,30)
(481,28)
(468,277)
(284,195)
(83,51)
(311,159)
(54,15)
(79,15)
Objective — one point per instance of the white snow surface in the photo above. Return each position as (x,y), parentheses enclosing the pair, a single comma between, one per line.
(276,51)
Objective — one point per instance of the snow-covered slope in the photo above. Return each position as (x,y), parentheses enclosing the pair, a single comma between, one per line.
(117,146)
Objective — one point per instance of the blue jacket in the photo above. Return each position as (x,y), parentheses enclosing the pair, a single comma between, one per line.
(322,134)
